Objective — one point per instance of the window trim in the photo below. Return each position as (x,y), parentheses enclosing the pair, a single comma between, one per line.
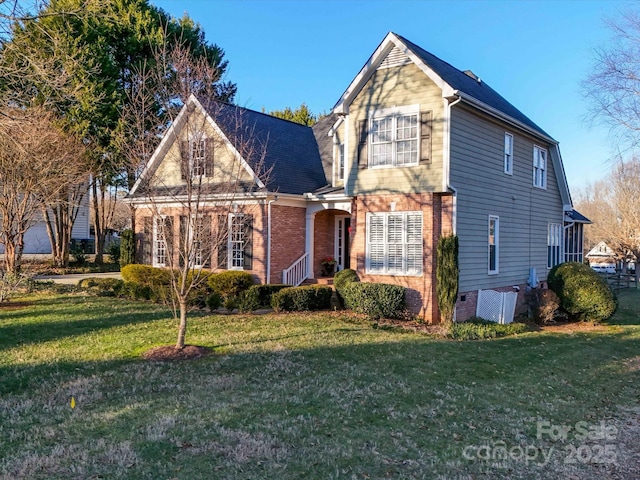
(543,179)
(394,113)
(404,244)
(156,240)
(508,154)
(495,244)
(340,163)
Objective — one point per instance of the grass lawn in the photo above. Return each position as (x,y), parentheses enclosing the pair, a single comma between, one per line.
(318,396)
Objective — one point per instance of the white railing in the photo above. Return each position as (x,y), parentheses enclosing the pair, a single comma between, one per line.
(296,273)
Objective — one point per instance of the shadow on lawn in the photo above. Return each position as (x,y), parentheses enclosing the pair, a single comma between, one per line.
(14,333)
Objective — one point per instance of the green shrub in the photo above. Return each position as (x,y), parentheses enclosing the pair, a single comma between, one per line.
(214,301)
(376,300)
(135,291)
(104,287)
(583,294)
(342,278)
(146,275)
(127,247)
(113,251)
(447,276)
(230,283)
(311,297)
(477,329)
(258,296)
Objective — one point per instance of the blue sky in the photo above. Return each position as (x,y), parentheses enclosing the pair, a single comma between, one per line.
(534,53)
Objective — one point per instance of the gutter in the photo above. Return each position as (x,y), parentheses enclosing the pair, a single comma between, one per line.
(447,164)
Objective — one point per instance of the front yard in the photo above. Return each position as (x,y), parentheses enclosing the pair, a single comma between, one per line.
(321,395)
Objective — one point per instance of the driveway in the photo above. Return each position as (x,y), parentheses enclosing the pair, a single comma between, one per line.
(74,278)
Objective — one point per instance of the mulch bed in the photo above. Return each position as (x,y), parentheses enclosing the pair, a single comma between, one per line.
(14,305)
(170,353)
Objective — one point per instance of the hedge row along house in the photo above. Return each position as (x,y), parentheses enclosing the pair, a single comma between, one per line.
(414,149)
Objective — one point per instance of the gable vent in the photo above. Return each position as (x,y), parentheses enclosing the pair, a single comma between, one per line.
(395,58)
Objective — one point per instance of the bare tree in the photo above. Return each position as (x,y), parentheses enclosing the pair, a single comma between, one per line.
(613,207)
(36,158)
(613,87)
(190,215)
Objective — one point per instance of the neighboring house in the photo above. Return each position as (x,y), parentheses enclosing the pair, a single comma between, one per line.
(36,240)
(413,150)
(601,254)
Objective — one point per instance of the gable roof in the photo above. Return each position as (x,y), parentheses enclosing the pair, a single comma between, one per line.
(285,151)
(452,81)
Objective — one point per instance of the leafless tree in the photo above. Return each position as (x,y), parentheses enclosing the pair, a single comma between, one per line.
(186,213)
(37,167)
(613,87)
(613,207)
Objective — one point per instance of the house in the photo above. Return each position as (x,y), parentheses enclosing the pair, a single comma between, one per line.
(601,254)
(414,149)
(36,238)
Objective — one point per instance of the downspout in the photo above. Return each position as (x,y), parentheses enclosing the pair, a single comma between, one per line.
(275,199)
(447,165)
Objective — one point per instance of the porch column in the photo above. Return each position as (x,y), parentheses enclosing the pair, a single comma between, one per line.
(309,243)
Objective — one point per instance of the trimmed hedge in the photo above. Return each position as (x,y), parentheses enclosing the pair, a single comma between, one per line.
(478,329)
(104,287)
(145,275)
(311,297)
(583,294)
(127,247)
(376,300)
(230,284)
(341,279)
(258,296)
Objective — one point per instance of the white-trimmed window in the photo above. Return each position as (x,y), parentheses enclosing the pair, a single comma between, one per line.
(198,156)
(394,243)
(162,239)
(493,241)
(554,241)
(236,251)
(341,161)
(394,137)
(539,167)
(508,153)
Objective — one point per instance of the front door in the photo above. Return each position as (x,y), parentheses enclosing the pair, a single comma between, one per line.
(342,253)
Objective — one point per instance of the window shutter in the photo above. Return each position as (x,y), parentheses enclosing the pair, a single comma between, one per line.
(206,243)
(208,162)
(362,144)
(183,236)
(248,242)
(425,137)
(223,238)
(168,237)
(147,240)
(185,154)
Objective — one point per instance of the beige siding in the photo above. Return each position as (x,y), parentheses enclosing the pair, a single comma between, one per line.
(389,87)
(226,167)
(477,172)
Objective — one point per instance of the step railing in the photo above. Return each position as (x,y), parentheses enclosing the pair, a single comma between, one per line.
(298,272)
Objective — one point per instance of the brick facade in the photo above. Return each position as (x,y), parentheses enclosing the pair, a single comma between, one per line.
(288,227)
(436,220)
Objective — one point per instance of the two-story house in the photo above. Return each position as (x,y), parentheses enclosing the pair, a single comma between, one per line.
(414,149)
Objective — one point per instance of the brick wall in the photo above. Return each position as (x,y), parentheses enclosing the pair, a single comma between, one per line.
(288,225)
(323,238)
(436,217)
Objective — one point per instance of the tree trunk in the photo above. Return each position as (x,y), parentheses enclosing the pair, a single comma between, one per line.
(182,328)
(10,257)
(97,222)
